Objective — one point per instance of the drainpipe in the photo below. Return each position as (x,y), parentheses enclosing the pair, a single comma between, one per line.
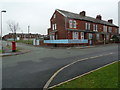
(66,27)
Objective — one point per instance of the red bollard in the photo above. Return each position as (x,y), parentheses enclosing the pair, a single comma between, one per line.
(13,46)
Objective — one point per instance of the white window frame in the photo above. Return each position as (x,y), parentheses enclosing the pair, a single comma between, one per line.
(90,36)
(82,35)
(96,27)
(105,28)
(75,35)
(110,29)
(87,26)
(74,24)
(70,24)
(98,36)
(107,36)
(54,16)
(55,26)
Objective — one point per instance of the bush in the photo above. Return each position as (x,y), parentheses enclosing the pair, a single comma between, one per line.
(115,38)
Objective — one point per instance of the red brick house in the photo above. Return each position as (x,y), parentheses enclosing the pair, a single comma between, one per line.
(22,36)
(70,29)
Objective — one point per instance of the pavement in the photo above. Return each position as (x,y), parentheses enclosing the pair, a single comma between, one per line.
(34,69)
(8,52)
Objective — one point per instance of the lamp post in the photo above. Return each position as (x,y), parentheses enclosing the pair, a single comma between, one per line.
(28,33)
(3,11)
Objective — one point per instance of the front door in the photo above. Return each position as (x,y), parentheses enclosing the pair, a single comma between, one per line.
(75,35)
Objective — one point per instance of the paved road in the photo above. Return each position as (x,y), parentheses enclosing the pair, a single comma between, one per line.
(33,69)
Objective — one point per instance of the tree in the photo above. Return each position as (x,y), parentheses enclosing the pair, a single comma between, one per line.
(13,26)
(115,38)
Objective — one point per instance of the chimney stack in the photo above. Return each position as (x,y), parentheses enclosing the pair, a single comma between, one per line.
(99,17)
(110,21)
(83,13)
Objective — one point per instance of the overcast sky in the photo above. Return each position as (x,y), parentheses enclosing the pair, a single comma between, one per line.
(37,13)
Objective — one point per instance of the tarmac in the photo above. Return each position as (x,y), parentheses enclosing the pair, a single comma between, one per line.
(8,51)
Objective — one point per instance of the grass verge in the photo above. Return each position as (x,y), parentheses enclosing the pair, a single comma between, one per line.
(17,48)
(25,41)
(106,77)
(1,51)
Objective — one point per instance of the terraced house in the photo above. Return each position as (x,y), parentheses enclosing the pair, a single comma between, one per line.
(69,29)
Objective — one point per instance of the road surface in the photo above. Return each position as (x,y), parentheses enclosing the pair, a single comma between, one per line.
(34,69)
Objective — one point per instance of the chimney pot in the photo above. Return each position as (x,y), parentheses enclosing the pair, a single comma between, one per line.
(110,21)
(99,17)
(83,13)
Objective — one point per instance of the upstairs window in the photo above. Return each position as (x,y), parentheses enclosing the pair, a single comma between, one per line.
(54,16)
(87,25)
(95,27)
(105,28)
(70,23)
(116,30)
(54,26)
(74,24)
(110,29)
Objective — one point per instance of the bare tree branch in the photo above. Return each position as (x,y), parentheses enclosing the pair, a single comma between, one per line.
(13,26)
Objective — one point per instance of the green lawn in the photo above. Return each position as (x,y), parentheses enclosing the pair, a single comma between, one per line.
(1,51)
(25,41)
(17,48)
(106,77)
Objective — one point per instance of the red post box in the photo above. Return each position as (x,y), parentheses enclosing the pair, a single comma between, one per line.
(13,46)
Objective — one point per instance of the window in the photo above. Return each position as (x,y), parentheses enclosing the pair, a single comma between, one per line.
(55,26)
(70,23)
(82,35)
(87,25)
(116,30)
(54,16)
(75,35)
(107,37)
(105,28)
(52,37)
(95,27)
(110,29)
(52,26)
(90,35)
(97,36)
(74,24)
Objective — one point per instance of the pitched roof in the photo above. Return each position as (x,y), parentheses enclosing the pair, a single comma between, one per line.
(86,18)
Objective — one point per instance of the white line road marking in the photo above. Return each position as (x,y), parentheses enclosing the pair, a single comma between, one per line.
(53,76)
(82,75)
